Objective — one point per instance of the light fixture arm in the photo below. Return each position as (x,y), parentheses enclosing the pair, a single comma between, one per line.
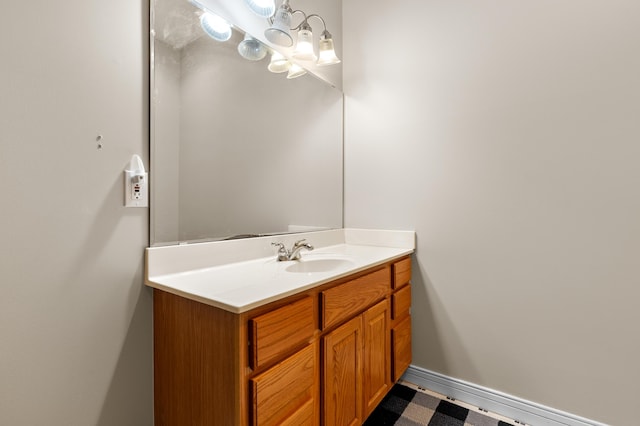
(285,5)
(305,21)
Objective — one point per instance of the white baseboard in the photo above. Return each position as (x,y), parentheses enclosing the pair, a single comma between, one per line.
(509,406)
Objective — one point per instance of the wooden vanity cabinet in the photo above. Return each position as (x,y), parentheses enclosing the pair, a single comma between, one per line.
(325,356)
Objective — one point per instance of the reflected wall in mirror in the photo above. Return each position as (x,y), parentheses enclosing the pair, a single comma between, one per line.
(236,149)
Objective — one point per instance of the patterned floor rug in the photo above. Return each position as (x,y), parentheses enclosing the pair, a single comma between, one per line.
(408,405)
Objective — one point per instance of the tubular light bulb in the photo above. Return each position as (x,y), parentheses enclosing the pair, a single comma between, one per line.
(215,27)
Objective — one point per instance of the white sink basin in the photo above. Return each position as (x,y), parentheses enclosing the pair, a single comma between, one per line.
(319,265)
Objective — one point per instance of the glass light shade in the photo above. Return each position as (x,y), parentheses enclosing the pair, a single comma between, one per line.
(262,8)
(278,63)
(326,52)
(215,27)
(279,33)
(296,71)
(304,47)
(251,49)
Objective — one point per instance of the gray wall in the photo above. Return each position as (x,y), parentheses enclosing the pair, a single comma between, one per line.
(75,319)
(506,133)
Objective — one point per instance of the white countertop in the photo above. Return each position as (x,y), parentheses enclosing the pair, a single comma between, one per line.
(243,284)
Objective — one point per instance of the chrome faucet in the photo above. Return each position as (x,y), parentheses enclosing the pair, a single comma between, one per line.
(294,253)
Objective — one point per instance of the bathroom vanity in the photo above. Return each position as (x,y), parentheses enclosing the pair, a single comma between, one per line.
(261,342)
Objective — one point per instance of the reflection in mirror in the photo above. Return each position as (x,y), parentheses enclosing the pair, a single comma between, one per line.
(236,149)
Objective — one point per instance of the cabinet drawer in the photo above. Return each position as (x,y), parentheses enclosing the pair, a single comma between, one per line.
(401,342)
(304,416)
(401,272)
(276,333)
(401,302)
(287,393)
(345,300)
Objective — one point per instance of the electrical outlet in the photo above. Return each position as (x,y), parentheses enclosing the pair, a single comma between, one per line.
(135,189)
(136,185)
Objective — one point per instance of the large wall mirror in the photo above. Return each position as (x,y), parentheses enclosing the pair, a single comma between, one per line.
(237,150)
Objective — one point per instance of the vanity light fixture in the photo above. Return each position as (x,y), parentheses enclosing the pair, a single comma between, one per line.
(263,8)
(279,33)
(215,27)
(251,49)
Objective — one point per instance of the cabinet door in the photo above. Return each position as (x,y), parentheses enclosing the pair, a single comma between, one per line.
(287,393)
(377,360)
(401,341)
(342,356)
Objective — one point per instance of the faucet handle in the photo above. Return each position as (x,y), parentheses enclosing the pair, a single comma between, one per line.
(280,246)
(283,254)
(299,242)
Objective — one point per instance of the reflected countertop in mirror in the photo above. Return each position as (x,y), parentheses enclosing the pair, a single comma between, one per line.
(236,150)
